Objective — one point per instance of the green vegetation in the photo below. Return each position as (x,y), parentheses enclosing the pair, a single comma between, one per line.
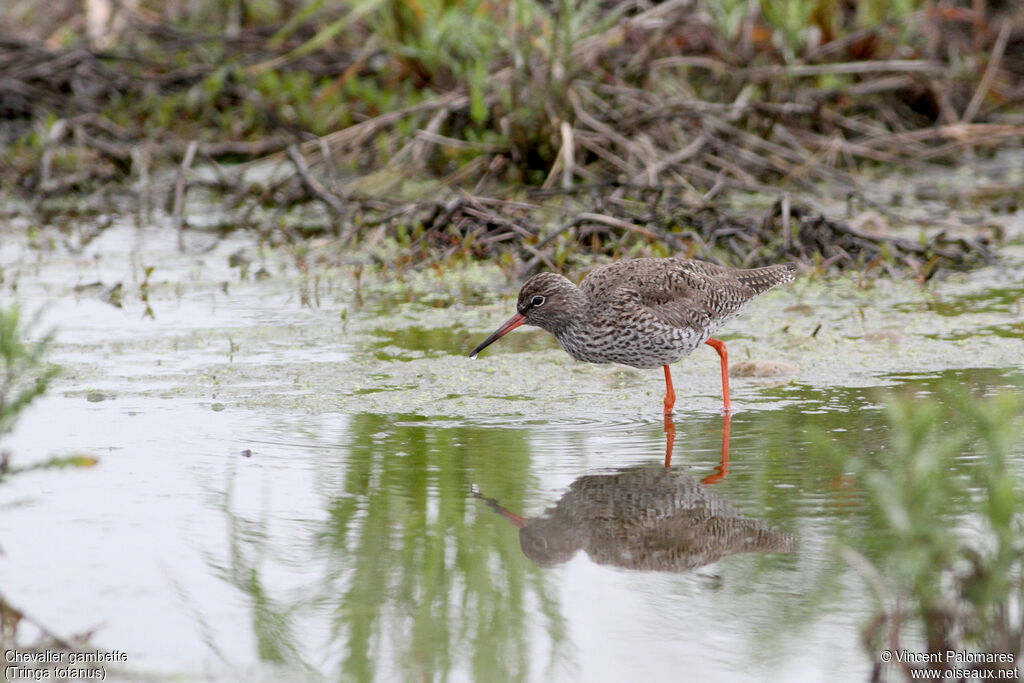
(323,65)
(943,544)
(25,374)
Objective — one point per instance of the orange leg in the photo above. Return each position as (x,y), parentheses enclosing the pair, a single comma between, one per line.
(670,393)
(670,439)
(720,347)
(723,467)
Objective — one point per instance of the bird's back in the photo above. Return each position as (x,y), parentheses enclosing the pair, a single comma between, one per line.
(684,293)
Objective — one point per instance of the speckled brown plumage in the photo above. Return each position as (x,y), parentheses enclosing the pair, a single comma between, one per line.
(644,313)
(643,518)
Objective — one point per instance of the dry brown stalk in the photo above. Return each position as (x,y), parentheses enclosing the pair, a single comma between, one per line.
(179,193)
(990,71)
(920,66)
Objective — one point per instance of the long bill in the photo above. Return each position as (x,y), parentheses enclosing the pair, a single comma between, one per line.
(511,324)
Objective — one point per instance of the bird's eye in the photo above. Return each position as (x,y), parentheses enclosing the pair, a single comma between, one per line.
(537,301)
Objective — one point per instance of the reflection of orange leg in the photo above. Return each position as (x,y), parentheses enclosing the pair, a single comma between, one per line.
(670,393)
(670,439)
(720,347)
(723,467)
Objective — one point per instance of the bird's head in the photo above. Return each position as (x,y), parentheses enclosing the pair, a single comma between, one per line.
(546,300)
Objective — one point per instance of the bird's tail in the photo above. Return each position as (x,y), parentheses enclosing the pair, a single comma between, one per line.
(763,279)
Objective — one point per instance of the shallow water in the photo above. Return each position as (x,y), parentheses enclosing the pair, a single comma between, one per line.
(303,477)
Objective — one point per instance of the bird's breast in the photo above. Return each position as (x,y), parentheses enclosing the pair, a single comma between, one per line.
(629,345)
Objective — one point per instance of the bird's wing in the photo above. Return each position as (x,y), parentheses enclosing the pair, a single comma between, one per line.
(680,292)
(700,295)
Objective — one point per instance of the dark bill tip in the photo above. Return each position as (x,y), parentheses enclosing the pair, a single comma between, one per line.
(511,324)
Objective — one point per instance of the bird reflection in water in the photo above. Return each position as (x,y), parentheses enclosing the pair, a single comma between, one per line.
(644,518)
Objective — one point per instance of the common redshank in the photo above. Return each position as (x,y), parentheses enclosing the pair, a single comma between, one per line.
(645,312)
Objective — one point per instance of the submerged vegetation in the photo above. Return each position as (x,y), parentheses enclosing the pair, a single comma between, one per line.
(537,129)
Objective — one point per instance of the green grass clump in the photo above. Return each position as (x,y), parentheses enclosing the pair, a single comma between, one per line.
(944,543)
(25,374)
